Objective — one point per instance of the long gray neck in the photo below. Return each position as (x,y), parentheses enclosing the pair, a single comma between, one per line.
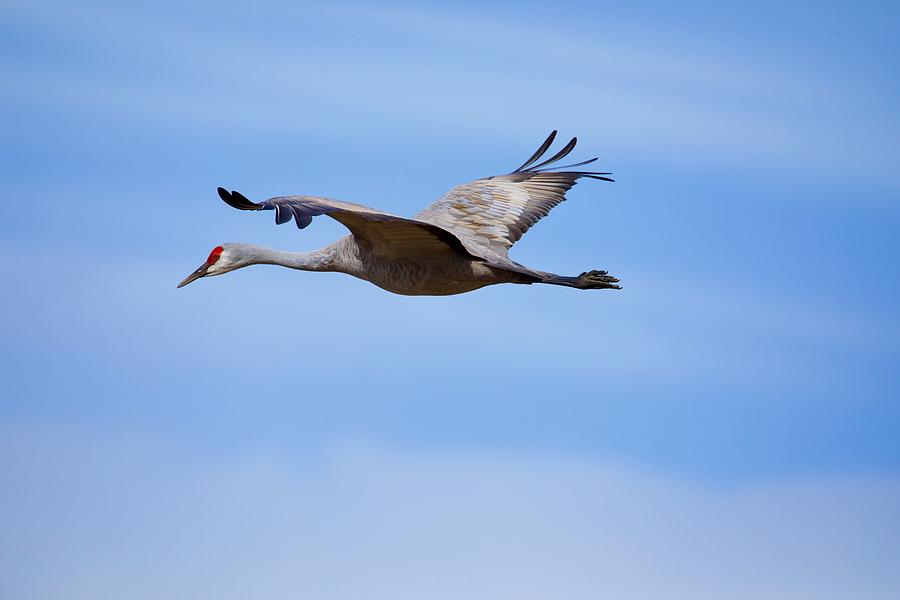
(316,260)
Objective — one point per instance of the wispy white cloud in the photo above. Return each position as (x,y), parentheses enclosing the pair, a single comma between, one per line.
(349,65)
(98,514)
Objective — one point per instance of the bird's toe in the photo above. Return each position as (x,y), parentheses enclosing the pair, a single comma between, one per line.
(598,279)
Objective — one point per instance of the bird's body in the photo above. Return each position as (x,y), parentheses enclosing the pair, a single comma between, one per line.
(457,244)
(456,274)
(405,276)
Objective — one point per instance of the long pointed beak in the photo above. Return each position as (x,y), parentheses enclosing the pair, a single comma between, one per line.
(200,272)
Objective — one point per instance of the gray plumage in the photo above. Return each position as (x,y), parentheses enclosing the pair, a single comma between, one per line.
(457,244)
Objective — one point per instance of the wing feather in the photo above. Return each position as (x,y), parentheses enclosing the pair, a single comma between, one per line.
(539,152)
(490,215)
(558,156)
(388,235)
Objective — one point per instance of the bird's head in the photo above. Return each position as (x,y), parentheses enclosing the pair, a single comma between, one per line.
(222,259)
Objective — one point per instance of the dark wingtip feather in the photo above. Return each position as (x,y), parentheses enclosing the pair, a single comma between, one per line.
(283,214)
(237,200)
(539,152)
(302,219)
(244,200)
(559,155)
(578,164)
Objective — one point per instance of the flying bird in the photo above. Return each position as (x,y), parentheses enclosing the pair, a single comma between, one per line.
(457,244)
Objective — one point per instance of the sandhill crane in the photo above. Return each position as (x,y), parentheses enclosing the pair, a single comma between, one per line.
(457,244)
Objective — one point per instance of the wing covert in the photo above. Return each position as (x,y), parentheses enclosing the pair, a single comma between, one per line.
(490,215)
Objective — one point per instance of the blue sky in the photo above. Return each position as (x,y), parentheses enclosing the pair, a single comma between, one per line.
(726,426)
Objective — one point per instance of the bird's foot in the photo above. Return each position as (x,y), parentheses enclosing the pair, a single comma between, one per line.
(597,280)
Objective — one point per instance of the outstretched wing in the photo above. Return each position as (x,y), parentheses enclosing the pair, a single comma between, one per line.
(389,235)
(490,215)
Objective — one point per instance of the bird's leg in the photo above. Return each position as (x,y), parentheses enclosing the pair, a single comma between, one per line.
(597,280)
(589,280)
